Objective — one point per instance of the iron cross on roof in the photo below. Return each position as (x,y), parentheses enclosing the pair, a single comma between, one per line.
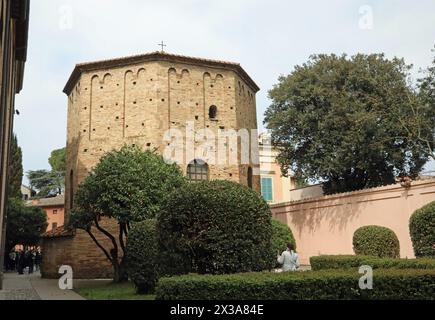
(163,46)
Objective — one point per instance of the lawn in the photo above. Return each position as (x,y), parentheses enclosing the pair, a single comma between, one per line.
(111,291)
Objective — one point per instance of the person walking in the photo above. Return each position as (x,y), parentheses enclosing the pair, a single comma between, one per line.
(20,262)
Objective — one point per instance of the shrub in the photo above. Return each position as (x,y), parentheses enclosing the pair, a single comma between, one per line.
(354,262)
(376,241)
(219,227)
(127,186)
(318,285)
(142,255)
(422,229)
(281,237)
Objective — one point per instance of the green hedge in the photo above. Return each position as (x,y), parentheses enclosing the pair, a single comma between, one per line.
(218,226)
(281,237)
(142,255)
(376,241)
(318,285)
(351,262)
(422,229)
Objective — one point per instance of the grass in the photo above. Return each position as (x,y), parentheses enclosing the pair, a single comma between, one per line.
(111,291)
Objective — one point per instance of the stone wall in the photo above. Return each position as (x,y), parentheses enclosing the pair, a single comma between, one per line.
(325,225)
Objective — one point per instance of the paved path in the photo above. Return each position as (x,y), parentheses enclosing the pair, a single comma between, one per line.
(32,287)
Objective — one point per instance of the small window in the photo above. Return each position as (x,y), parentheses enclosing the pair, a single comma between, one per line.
(266,189)
(54,211)
(197,170)
(212,112)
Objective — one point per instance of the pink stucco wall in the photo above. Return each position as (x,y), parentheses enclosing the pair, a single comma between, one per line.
(326,225)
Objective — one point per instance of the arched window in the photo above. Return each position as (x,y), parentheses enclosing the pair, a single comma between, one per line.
(71,189)
(212,112)
(250,177)
(197,170)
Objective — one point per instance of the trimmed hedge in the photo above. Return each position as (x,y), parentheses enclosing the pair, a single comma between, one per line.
(352,262)
(281,237)
(142,255)
(422,229)
(376,241)
(319,285)
(219,227)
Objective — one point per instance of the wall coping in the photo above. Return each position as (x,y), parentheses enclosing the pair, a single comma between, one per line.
(391,187)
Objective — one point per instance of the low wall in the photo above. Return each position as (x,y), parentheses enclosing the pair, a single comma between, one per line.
(78,251)
(326,225)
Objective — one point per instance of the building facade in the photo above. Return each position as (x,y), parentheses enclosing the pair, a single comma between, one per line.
(275,187)
(14,23)
(27,192)
(54,208)
(197,112)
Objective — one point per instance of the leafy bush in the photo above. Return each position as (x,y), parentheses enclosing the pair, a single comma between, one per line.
(281,237)
(376,241)
(25,225)
(142,255)
(318,285)
(422,229)
(216,227)
(354,262)
(127,185)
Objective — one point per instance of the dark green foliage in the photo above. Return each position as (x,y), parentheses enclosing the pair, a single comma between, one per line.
(376,241)
(340,120)
(142,255)
(46,183)
(319,285)
(50,182)
(15,169)
(129,185)
(281,237)
(354,262)
(25,225)
(422,229)
(216,227)
(423,116)
(57,160)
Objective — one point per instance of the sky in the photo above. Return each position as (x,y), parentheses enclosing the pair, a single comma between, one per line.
(268,37)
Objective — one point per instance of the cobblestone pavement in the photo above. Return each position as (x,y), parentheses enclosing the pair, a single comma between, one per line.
(32,287)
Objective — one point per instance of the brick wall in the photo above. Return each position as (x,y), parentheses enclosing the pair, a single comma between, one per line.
(138,104)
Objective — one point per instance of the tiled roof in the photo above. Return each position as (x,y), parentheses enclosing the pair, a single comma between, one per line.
(155,56)
(59,232)
(47,202)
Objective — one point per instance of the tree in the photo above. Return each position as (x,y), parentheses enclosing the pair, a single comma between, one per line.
(15,169)
(57,160)
(49,183)
(25,225)
(46,183)
(331,119)
(420,125)
(128,186)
